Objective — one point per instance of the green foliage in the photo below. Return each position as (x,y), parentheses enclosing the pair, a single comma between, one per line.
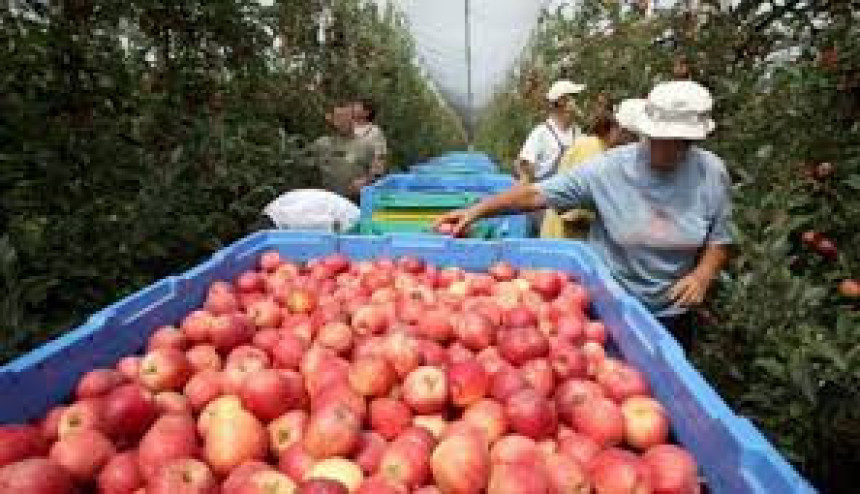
(138,136)
(781,344)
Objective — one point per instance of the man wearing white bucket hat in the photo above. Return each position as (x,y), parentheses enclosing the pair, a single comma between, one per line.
(663,206)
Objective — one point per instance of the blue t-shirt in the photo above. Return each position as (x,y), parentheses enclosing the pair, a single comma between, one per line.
(651,225)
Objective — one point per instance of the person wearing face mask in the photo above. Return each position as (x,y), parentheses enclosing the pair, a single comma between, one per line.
(662,205)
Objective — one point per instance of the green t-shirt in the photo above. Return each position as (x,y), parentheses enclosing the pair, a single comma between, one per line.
(341,160)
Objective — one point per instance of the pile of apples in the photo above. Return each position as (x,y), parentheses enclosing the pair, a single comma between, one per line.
(370,377)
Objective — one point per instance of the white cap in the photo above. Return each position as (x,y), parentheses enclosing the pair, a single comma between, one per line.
(673,110)
(563,88)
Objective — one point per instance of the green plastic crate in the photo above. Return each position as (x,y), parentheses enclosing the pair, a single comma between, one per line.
(374,228)
(424,200)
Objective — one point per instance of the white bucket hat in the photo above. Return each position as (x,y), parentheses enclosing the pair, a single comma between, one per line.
(563,88)
(673,110)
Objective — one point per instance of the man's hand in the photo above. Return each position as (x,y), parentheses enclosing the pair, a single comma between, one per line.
(459,221)
(690,290)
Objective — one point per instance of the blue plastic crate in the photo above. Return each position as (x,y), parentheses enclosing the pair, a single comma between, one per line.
(513,226)
(734,457)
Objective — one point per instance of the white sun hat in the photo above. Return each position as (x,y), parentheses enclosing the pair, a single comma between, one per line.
(629,112)
(563,88)
(674,110)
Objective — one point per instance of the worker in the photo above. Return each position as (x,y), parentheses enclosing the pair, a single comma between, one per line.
(367,131)
(606,133)
(344,162)
(662,206)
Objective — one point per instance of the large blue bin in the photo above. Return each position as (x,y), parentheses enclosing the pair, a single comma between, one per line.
(457,162)
(734,457)
(513,226)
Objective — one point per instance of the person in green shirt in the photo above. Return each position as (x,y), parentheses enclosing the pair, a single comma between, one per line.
(344,162)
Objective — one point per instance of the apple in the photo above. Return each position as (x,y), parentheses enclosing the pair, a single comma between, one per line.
(128,412)
(129,367)
(520,345)
(168,337)
(673,470)
(203,387)
(436,325)
(83,453)
(98,382)
(436,424)
(369,319)
(531,415)
(380,485)
(519,317)
(406,462)
(50,424)
(475,331)
(547,284)
(332,431)
(229,331)
(506,382)
(334,372)
(35,476)
(296,462)
(402,352)
(250,281)
(539,375)
(489,416)
(426,390)
(270,393)
(340,394)
(389,417)
(219,302)
(286,430)
(618,470)
(173,402)
(171,437)
(241,363)
(264,313)
(184,475)
(337,336)
(579,447)
(339,470)
(267,481)
(203,357)
(595,331)
(428,489)
(622,382)
(566,474)
(461,463)
(571,329)
(232,439)
(219,407)
(287,353)
(301,301)
(371,447)
(594,356)
(567,360)
(239,477)
(646,422)
(196,325)
(468,382)
(518,478)
(502,271)
(459,353)
(372,376)
(491,359)
(432,353)
(602,420)
(266,339)
(19,442)
(85,414)
(121,474)
(573,393)
(322,486)
(164,369)
(270,261)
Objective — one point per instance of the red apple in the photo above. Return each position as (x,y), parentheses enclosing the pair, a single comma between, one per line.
(196,325)
(203,357)
(547,284)
(338,470)
(171,437)
(646,422)
(380,485)
(602,420)
(532,415)
(406,462)
(222,301)
(340,394)
(98,382)
(565,474)
(594,356)
(83,453)
(129,367)
(268,481)
(539,375)
(426,389)
(618,470)
(622,382)
(488,416)
(173,402)
(461,463)
(337,336)
(35,476)
(436,325)
(432,353)
(203,387)
(19,442)
(372,376)
(296,462)
(322,486)
(301,301)
(128,412)
(121,475)
(184,475)
(164,369)
(459,353)
(595,331)
(506,382)
(468,382)
(520,345)
(270,261)
(673,470)
(571,329)
(573,393)
(389,417)
(436,424)
(266,339)
(518,478)
(579,447)
(239,478)
(286,430)
(368,320)
(332,431)
(475,331)
(371,447)
(229,331)
(50,424)
(491,360)
(270,393)
(502,271)
(250,281)
(287,353)
(402,352)
(520,317)
(264,313)
(168,337)
(567,360)
(232,439)
(85,414)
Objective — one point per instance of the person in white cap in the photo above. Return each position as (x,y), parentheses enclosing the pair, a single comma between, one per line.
(548,142)
(662,205)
